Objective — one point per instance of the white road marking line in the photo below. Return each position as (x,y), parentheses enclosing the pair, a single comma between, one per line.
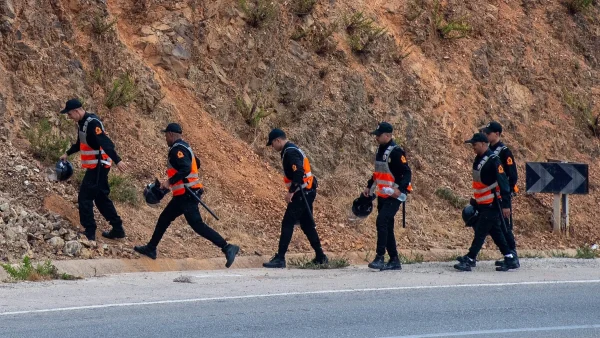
(286,294)
(503,331)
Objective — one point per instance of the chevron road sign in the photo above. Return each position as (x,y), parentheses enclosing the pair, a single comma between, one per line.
(556,178)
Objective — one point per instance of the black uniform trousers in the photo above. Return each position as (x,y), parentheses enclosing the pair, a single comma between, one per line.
(94,189)
(509,234)
(295,213)
(489,222)
(386,239)
(184,205)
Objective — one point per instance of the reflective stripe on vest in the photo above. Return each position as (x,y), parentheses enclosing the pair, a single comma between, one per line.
(482,193)
(89,156)
(383,177)
(192,179)
(499,150)
(307,179)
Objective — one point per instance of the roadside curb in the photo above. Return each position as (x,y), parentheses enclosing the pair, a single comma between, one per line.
(105,266)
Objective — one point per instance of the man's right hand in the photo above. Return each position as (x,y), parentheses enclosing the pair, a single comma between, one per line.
(64,157)
(367,192)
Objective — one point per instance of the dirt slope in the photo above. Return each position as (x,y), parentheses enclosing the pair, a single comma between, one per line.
(532,66)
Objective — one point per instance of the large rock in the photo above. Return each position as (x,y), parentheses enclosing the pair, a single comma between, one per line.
(56,242)
(72,248)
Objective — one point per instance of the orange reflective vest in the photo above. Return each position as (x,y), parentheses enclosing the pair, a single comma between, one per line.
(482,193)
(192,180)
(308,176)
(89,156)
(383,177)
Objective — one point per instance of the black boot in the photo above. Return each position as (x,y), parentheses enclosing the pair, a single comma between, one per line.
(509,264)
(146,250)
(230,250)
(275,262)
(392,264)
(377,263)
(90,235)
(320,259)
(114,233)
(466,264)
(501,261)
(465,258)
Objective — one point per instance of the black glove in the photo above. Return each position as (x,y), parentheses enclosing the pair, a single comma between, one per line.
(473,203)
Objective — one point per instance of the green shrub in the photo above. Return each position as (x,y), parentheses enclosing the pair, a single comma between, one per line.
(576,6)
(303,7)
(26,271)
(362,32)
(123,91)
(45,143)
(101,25)
(259,12)
(586,252)
(449,195)
(452,29)
(252,114)
(122,190)
(305,263)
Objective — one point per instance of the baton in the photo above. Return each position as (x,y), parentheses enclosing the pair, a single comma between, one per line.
(201,203)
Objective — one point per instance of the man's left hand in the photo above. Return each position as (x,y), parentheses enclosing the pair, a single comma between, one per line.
(396,193)
(506,213)
(288,197)
(165,185)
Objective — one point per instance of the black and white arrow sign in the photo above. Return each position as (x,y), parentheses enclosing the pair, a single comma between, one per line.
(556,178)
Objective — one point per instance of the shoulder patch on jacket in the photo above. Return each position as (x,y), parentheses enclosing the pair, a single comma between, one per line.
(179,154)
(509,161)
(501,169)
(98,130)
(403,159)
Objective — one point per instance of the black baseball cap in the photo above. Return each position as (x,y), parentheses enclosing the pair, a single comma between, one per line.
(174,128)
(492,127)
(275,134)
(71,105)
(382,128)
(478,137)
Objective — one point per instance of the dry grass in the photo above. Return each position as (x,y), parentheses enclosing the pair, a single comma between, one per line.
(304,262)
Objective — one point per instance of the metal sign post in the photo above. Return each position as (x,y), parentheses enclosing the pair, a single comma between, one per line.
(561,179)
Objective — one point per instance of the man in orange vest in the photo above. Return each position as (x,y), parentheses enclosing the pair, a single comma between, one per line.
(493,130)
(491,197)
(182,170)
(296,176)
(97,153)
(390,182)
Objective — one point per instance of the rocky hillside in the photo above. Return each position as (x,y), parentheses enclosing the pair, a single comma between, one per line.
(230,70)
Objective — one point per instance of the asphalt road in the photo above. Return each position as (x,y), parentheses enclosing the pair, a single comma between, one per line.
(558,298)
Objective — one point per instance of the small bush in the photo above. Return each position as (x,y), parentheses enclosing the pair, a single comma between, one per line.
(26,271)
(259,13)
(530,254)
(101,25)
(303,7)
(362,32)
(560,254)
(45,143)
(582,107)
(252,114)
(321,38)
(412,259)
(122,190)
(453,29)
(449,195)
(123,91)
(586,252)
(305,263)
(576,6)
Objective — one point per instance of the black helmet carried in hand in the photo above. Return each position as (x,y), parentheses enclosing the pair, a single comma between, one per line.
(153,194)
(470,215)
(362,206)
(64,170)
